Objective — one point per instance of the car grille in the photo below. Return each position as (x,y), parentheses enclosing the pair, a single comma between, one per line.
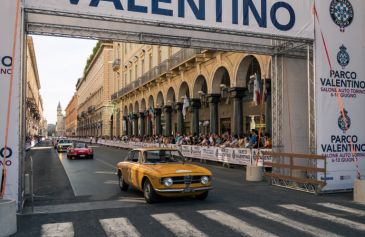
(186,179)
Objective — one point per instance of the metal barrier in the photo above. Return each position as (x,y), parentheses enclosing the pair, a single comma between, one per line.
(287,173)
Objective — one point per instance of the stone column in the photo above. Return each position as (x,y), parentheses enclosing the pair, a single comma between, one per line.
(268,117)
(237,94)
(213,100)
(130,127)
(125,129)
(180,118)
(168,117)
(195,106)
(135,124)
(141,124)
(158,121)
(149,125)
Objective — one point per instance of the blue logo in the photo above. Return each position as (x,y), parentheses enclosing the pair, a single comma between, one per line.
(343,58)
(342,13)
(9,152)
(344,126)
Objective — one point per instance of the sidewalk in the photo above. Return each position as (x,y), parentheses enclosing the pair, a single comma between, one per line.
(51,184)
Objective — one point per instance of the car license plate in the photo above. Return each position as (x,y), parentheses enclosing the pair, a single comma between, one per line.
(82,155)
(188,190)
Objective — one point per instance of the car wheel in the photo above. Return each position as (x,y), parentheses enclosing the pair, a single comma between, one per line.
(91,156)
(149,193)
(202,196)
(122,184)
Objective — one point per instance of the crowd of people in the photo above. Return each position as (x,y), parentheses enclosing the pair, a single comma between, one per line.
(253,140)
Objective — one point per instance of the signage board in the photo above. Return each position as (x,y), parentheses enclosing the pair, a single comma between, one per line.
(287,18)
(340,90)
(10,68)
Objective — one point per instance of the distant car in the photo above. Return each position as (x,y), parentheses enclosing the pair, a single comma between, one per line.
(164,172)
(80,150)
(63,145)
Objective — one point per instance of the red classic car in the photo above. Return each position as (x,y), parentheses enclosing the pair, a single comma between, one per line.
(80,150)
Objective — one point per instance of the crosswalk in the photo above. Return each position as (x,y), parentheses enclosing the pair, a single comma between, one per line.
(286,218)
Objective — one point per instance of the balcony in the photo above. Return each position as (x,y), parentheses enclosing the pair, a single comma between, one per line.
(116,65)
(166,67)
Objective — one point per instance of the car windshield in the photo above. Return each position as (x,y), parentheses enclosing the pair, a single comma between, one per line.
(163,156)
(80,145)
(65,141)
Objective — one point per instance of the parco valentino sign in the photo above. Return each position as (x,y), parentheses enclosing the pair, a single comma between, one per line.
(288,18)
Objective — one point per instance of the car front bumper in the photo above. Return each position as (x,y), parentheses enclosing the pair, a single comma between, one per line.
(184,190)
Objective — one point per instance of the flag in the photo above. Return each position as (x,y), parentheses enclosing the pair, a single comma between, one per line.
(256,90)
(185,106)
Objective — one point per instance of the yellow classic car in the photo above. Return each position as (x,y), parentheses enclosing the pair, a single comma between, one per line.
(163,172)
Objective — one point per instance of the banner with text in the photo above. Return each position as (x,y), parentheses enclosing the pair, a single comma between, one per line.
(340,72)
(9,157)
(291,18)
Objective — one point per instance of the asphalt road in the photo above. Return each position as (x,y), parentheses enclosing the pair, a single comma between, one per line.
(85,200)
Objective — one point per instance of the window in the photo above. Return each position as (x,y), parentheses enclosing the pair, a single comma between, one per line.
(142,66)
(159,55)
(163,156)
(133,156)
(150,61)
(136,72)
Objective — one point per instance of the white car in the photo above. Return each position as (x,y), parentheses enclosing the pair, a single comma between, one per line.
(63,145)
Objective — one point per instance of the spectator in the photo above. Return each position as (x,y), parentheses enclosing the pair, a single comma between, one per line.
(253,139)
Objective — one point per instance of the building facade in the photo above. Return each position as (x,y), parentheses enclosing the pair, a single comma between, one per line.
(34,104)
(217,88)
(60,124)
(94,107)
(71,117)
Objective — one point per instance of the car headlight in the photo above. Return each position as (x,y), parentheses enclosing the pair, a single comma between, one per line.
(204,180)
(167,182)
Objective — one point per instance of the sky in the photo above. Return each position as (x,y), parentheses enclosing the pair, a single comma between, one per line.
(60,63)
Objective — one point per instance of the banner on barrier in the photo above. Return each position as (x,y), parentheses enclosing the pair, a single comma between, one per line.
(243,156)
(238,156)
(209,153)
(260,153)
(340,73)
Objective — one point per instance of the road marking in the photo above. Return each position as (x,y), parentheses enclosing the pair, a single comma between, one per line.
(177,225)
(106,172)
(235,224)
(119,227)
(317,214)
(343,208)
(106,163)
(58,229)
(286,221)
(123,202)
(111,182)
